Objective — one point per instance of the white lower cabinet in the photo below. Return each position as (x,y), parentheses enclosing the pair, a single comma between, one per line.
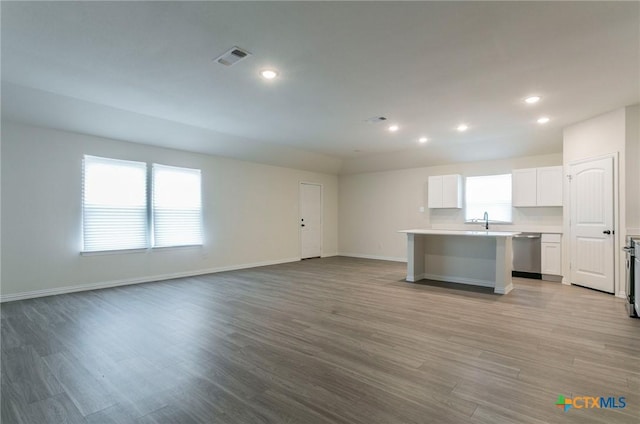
(551,257)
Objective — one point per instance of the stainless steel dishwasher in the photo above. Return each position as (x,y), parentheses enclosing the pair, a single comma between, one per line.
(526,256)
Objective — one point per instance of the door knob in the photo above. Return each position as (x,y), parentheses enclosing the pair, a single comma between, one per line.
(302,225)
(606,232)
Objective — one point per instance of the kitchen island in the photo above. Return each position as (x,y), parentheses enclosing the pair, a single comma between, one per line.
(480,258)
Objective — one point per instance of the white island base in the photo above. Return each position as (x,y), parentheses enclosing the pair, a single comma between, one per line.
(479,258)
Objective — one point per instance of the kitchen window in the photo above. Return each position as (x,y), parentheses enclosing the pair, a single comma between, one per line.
(490,194)
(121,212)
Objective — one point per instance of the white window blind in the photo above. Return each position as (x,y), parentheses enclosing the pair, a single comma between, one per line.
(177,206)
(114,204)
(491,194)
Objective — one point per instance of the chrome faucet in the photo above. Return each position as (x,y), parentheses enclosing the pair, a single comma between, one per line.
(486,220)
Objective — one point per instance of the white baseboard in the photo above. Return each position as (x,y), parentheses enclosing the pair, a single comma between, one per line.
(380,258)
(506,290)
(125,282)
(552,278)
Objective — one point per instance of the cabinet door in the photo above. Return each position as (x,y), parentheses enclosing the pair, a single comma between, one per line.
(434,192)
(549,181)
(451,191)
(523,187)
(551,258)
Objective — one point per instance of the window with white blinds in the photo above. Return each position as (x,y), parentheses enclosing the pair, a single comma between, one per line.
(491,194)
(177,206)
(114,204)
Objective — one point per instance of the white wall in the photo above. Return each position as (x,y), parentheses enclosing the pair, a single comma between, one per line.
(632,147)
(250,213)
(374,206)
(602,135)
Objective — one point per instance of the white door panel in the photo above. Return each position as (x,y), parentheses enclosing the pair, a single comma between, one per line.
(310,220)
(588,256)
(592,224)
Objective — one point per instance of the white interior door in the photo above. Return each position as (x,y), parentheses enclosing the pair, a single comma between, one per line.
(592,239)
(310,220)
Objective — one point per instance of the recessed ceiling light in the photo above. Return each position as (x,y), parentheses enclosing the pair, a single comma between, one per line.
(394,128)
(423,139)
(532,99)
(269,73)
(462,127)
(543,120)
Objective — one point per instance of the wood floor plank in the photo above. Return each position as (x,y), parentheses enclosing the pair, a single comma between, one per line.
(115,414)
(281,408)
(29,375)
(87,393)
(12,403)
(169,414)
(332,340)
(55,409)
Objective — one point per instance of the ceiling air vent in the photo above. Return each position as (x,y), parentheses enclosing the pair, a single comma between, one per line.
(232,56)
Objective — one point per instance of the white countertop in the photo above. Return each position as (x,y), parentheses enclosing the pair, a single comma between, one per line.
(462,233)
(494,226)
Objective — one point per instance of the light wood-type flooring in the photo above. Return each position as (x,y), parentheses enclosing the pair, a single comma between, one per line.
(333,340)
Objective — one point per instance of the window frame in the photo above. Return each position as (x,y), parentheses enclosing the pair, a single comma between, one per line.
(149,210)
(152,207)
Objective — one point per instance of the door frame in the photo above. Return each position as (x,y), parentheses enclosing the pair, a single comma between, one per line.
(617,283)
(300,183)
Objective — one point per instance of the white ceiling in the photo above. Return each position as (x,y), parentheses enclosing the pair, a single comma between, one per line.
(143,71)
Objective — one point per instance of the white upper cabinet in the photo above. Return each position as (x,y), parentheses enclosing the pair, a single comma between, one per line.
(549,191)
(537,186)
(444,191)
(524,183)
(434,192)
